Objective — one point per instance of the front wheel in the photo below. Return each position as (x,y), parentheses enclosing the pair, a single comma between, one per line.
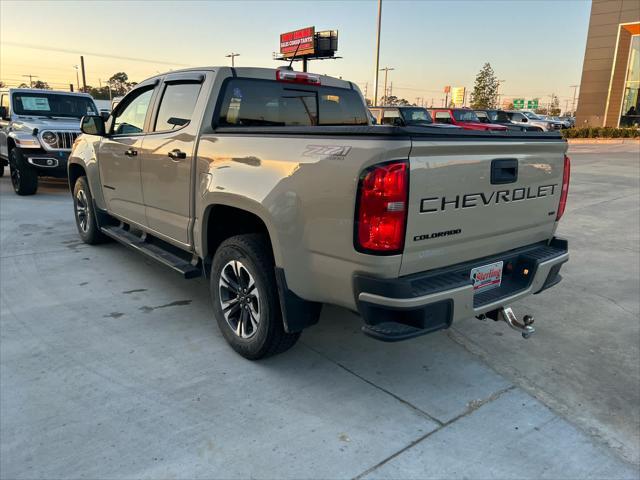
(24,177)
(85,213)
(245,298)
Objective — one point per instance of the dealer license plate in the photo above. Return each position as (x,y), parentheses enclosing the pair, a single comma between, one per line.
(486,277)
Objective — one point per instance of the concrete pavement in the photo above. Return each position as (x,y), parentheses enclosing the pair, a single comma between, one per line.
(112,367)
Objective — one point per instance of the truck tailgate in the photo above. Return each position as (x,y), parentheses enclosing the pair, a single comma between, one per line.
(470,199)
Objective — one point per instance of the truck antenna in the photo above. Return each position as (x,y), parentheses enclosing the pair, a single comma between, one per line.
(294,54)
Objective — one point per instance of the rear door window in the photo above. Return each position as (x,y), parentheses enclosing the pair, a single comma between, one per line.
(176,106)
(248,102)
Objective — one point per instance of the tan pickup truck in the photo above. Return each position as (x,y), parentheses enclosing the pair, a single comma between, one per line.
(274,185)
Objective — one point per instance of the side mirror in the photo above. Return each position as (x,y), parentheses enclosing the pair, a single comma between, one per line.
(4,113)
(92,125)
(525,120)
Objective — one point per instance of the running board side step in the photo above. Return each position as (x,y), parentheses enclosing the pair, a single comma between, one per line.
(152,251)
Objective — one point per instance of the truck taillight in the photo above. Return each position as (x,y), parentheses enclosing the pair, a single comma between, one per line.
(381,211)
(297,77)
(565,187)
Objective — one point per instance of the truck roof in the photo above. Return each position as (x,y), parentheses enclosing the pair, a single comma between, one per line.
(258,73)
(55,92)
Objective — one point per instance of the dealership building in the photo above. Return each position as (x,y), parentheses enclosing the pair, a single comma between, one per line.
(611,72)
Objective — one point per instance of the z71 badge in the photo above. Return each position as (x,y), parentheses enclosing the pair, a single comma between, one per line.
(331,151)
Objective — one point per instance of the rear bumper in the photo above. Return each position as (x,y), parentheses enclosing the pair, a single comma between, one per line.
(406,307)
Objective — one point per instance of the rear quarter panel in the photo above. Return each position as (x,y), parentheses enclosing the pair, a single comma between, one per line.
(305,193)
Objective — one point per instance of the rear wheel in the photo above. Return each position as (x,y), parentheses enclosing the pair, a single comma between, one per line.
(24,177)
(245,298)
(85,213)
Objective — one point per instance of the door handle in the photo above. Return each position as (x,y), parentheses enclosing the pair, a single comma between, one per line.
(177,154)
(131,152)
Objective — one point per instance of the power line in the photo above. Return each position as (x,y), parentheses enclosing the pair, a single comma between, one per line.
(95,54)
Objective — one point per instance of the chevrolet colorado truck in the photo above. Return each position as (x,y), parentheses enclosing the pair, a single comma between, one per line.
(274,185)
(37,130)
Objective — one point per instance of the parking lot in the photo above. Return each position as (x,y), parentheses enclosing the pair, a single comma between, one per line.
(113,367)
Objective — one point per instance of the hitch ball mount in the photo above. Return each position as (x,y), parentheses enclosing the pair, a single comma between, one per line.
(507,315)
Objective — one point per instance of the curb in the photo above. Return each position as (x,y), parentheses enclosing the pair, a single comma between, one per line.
(603,141)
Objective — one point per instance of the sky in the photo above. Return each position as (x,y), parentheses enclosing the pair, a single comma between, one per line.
(536,47)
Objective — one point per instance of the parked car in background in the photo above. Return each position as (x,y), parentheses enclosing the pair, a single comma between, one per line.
(529,118)
(500,117)
(463,117)
(37,130)
(564,120)
(405,117)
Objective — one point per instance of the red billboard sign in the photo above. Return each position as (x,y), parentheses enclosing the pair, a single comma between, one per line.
(302,40)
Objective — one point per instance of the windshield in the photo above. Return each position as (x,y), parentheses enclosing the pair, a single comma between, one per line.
(531,115)
(498,116)
(52,105)
(465,116)
(416,116)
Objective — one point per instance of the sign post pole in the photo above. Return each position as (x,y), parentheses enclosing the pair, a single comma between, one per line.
(375,84)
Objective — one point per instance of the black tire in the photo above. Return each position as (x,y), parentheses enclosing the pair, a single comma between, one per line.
(24,177)
(1,168)
(85,214)
(253,253)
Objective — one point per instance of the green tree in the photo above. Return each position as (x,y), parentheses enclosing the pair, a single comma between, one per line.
(41,85)
(120,84)
(485,90)
(98,93)
(393,101)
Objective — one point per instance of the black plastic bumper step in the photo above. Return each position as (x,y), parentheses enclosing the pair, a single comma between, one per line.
(392,331)
(153,251)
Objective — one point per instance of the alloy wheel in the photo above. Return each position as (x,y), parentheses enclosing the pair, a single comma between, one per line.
(15,177)
(82,211)
(239,299)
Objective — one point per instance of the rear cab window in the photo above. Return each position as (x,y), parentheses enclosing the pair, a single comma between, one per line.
(442,117)
(258,103)
(391,117)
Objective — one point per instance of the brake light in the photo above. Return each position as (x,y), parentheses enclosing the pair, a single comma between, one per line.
(381,214)
(565,187)
(297,77)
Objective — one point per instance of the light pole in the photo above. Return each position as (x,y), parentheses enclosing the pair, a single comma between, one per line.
(375,85)
(30,77)
(500,82)
(573,103)
(386,72)
(77,76)
(233,56)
